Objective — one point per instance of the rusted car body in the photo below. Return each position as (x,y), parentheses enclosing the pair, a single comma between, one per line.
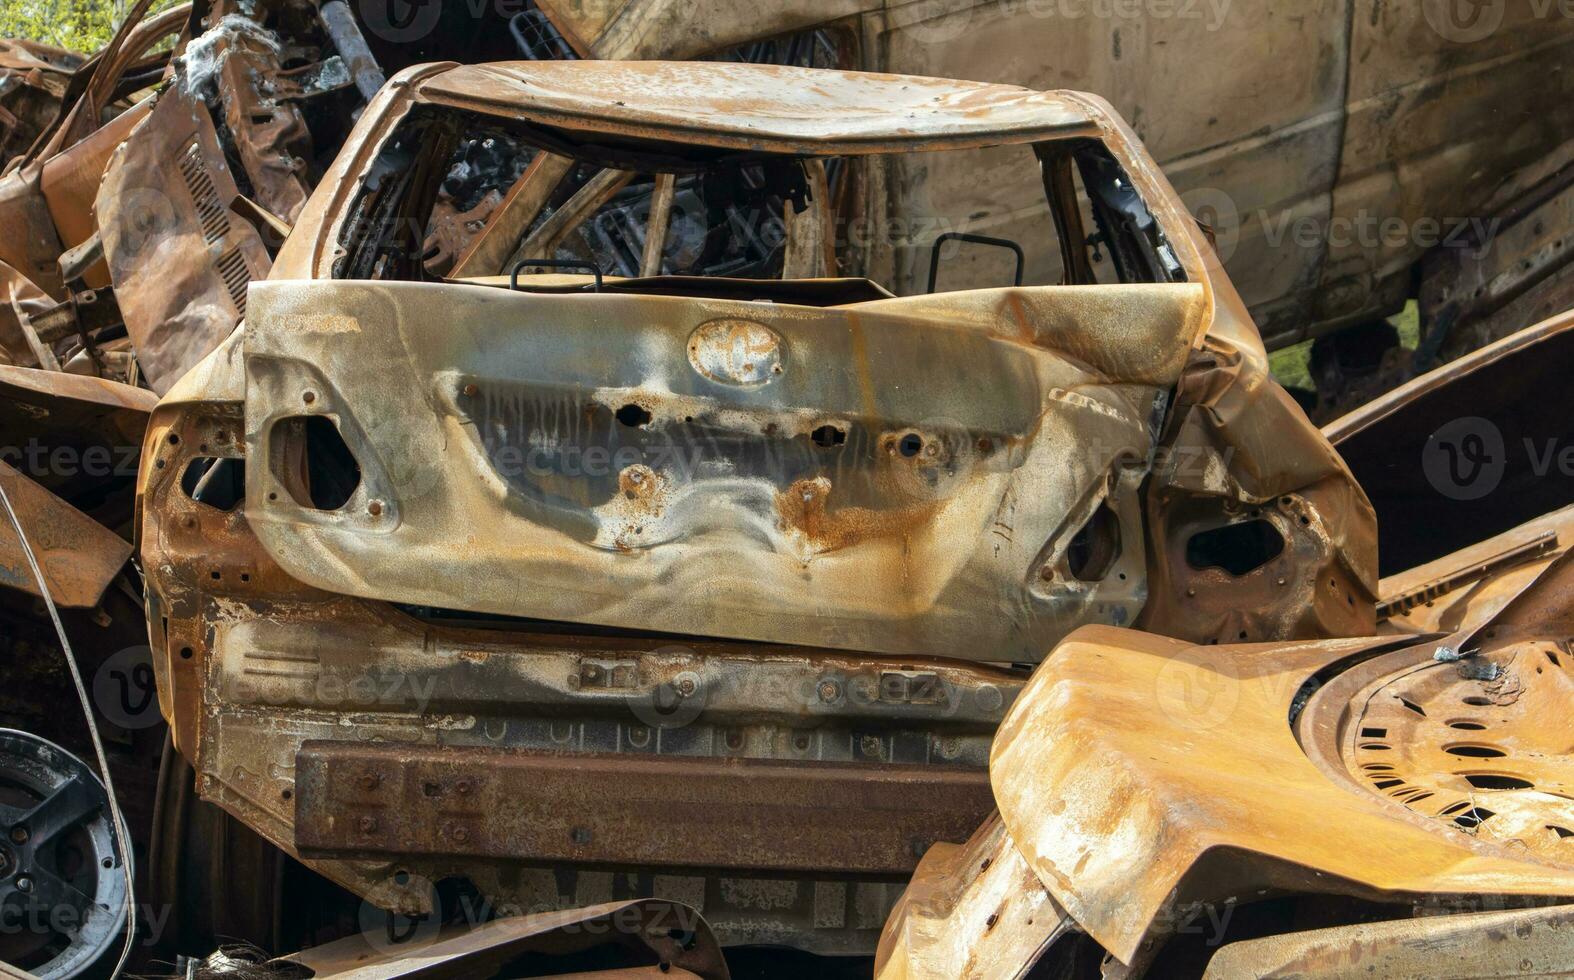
(1167,809)
(407,627)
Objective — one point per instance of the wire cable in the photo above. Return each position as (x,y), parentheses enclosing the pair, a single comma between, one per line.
(122,838)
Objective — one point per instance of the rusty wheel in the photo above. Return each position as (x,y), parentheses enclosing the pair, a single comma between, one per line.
(1470,741)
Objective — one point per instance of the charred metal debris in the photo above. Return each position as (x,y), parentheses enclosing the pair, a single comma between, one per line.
(519,511)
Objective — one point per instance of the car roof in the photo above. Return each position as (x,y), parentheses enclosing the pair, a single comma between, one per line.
(763,108)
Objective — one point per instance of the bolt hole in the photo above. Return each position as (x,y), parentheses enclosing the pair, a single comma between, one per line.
(634,416)
(185,653)
(828,436)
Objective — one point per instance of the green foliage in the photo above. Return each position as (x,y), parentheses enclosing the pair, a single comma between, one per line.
(80,25)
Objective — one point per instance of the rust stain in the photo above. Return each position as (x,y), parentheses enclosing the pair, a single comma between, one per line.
(806,507)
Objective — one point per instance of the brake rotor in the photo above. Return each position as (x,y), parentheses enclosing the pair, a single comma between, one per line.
(62,881)
(1480,743)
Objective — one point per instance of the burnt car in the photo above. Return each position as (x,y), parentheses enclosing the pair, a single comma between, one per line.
(570,587)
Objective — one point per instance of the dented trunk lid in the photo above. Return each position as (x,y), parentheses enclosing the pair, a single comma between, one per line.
(899,475)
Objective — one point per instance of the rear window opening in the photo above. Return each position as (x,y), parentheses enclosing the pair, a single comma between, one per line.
(460,196)
(1239,549)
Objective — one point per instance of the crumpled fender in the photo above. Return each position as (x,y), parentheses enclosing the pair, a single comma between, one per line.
(1137,773)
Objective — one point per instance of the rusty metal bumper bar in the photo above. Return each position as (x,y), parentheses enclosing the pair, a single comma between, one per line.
(754,814)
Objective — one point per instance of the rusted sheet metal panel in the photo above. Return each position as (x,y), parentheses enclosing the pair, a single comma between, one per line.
(1465,589)
(55,392)
(975,910)
(637,491)
(78,437)
(1445,108)
(20,300)
(79,556)
(756,814)
(31,245)
(672,937)
(70,184)
(1186,774)
(1488,564)
(180,271)
(1525,943)
(766,108)
(262,114)
(1243,459)
(1482,290)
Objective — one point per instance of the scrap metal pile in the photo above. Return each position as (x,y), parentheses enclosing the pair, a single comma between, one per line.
(510,510)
